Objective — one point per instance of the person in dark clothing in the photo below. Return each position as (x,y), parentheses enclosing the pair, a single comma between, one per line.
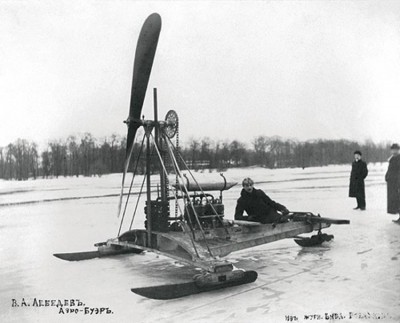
(359,172)
(258,206)
(392,178)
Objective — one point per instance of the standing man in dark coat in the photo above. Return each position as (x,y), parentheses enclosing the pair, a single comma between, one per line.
(258,206)
(359,172)
(392,178)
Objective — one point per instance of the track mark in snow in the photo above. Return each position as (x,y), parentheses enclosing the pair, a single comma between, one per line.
(365,251)
(262,287)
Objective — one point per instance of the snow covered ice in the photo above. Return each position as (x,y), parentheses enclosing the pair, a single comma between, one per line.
(354,278)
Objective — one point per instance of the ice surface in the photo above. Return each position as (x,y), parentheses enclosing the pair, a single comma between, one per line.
(357,272)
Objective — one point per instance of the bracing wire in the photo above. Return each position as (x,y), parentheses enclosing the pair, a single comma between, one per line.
(186,208)
(137,202)
(131,185)
(177,148)
(174,161)
(140,192)
(198,185)
(175,194)
(165,171)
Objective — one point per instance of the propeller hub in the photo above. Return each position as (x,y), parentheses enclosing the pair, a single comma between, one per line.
(130,120)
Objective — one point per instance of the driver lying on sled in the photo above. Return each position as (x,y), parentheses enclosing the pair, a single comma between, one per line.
(258,206)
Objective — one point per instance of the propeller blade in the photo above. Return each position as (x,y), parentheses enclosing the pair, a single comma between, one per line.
(144,57)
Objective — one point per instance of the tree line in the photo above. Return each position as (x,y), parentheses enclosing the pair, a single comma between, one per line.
(88,156)
(277,152)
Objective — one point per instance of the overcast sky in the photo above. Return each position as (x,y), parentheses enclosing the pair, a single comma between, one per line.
(232,69)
